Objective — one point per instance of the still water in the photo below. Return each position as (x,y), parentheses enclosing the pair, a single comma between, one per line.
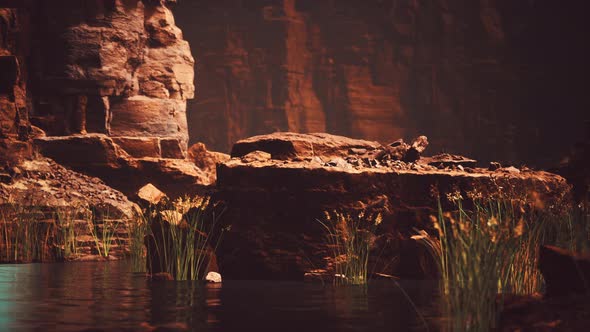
(109,297)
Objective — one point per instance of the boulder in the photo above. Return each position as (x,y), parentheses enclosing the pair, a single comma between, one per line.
(206,160)
(213,277)
(150,194)
(274,204)
(290,145)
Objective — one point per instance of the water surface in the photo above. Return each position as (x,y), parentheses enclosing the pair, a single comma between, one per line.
(109,297)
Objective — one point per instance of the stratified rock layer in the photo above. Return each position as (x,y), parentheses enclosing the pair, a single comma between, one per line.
(71,200)
(98,155)
(482,78)
(274,204)
(116,67)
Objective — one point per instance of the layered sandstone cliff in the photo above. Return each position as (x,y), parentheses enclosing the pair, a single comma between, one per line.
(14,126)
(119,68)
(482,78)
(109,83)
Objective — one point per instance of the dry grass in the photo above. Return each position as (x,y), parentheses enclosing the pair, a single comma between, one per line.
(349,239)
(488,250)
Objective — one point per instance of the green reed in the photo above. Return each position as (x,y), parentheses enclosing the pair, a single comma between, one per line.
(182,234)
(103,231)
(481,253)
(349,239)
(26,236)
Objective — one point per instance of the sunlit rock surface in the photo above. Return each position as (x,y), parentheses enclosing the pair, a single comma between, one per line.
(111,80)
(98,155)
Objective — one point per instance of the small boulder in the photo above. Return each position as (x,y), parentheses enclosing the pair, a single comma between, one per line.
(494,166)
(213,277)
(511,170)
(150,194)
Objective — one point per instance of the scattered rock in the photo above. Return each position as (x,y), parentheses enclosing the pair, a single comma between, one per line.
(357,151)
(416,149)
(448,160)
(494,166)
(510,169)
(338,162)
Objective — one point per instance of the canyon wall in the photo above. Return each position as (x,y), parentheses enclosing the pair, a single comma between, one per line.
(14,100)
(100,86)
(494,79)
(114,67)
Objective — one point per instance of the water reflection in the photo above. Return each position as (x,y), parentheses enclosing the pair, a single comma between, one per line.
(107,296)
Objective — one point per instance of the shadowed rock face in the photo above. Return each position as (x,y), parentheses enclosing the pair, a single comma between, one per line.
(14,124)
(274,202)
(482,78)
(108,86)
(115,67)
(565,272)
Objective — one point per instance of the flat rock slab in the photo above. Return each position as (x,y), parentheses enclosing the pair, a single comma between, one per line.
(274,206)
(99,155)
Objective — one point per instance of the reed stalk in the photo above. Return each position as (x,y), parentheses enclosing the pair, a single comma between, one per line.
(349,239)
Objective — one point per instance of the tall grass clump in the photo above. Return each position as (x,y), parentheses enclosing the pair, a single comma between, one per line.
(349,238)
(137,233)
(26,236)
(103,231)
(482,252)
(576,235)
(182,238)
(67,235)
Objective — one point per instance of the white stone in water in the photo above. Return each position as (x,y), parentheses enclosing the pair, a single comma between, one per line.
(213,277)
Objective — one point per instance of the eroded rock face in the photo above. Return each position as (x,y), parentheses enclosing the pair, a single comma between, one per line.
(14,122)
(474,75)
(115,67)
(111,82)
(274,204)
(98,155)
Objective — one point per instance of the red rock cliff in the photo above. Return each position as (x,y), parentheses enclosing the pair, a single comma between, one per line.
(116,67)
(483,78)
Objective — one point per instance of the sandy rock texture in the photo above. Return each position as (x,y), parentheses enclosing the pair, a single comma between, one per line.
(275,202)
(479,77)
(115,67)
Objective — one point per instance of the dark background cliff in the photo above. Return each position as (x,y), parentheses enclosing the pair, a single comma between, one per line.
(494,79)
